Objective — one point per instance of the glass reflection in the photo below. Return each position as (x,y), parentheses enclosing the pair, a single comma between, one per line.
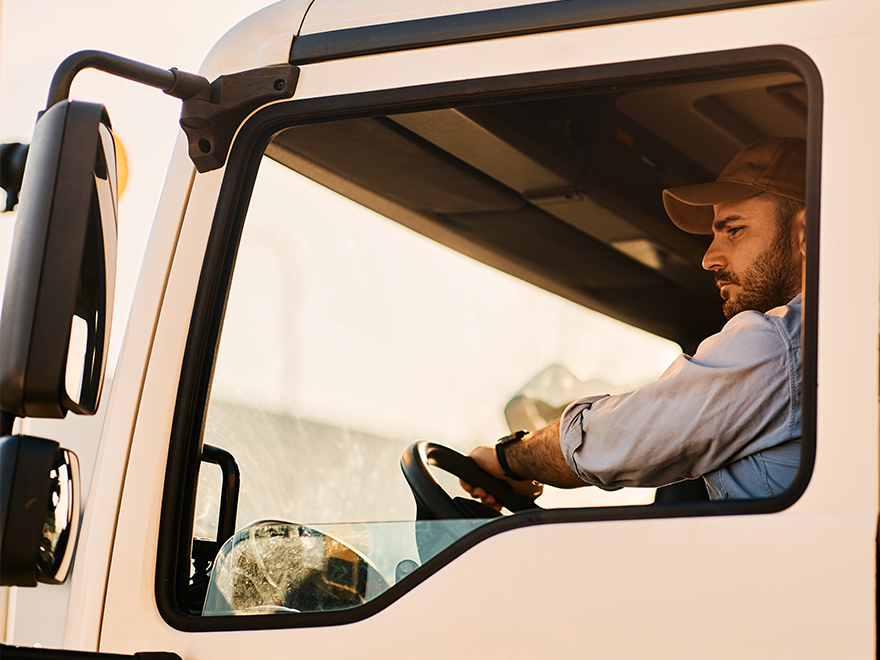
(61,522)
(277,568)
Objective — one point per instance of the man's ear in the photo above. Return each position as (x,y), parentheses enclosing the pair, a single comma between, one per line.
(799,229)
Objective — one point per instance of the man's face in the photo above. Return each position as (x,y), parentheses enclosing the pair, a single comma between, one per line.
(757,263)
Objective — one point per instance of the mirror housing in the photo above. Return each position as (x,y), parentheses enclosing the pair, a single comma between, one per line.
(55,323)
(39,511)
(545,397)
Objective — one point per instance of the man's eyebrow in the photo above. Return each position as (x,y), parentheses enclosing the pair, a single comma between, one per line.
(720,223)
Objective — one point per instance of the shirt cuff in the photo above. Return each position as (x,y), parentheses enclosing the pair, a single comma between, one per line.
(571,435)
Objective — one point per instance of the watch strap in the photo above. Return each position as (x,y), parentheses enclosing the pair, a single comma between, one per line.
(502,459)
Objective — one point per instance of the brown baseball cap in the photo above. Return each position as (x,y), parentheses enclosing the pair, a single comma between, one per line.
(774,165)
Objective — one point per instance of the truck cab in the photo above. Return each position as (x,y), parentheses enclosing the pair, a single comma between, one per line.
(394,231)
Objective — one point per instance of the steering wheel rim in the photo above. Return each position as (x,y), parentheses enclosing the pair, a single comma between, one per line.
(428,493)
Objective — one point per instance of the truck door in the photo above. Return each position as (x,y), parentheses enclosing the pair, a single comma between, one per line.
(445,242)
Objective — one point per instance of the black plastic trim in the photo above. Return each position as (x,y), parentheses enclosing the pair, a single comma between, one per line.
(209,306)
(59,241)
(175,83)
(229,493)
(495,24)
(211,119)
(25,464)
(38,653)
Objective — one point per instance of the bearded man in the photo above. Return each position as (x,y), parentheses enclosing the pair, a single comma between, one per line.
(730,414)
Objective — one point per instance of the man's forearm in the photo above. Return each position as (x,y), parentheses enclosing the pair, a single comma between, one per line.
(539,456)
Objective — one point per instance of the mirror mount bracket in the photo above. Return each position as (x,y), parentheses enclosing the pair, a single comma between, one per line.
(211,112)
(210,123)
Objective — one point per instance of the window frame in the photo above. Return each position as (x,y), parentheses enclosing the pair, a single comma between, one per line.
(493,24)
(178,502)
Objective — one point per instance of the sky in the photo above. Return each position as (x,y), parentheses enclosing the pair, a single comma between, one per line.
(37,35)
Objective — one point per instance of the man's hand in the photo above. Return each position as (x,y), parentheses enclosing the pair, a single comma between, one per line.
(537,456)
(485,457)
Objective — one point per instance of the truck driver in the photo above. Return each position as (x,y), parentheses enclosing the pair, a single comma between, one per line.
(731,413)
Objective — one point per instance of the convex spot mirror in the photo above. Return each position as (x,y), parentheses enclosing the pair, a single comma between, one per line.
(55,323)
(39,516)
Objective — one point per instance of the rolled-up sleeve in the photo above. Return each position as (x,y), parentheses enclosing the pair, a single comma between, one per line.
(738,395)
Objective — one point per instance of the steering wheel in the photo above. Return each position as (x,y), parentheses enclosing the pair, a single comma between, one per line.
(436,502)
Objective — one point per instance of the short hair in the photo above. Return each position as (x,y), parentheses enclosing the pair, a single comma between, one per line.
(786,209)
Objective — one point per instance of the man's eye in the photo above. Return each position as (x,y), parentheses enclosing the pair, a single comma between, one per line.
(733,231)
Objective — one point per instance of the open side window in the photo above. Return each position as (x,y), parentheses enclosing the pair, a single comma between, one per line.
(452,266)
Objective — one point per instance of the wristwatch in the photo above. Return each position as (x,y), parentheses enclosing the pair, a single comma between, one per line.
(502,459)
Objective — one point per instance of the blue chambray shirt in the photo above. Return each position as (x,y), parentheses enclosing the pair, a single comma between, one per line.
(730,414)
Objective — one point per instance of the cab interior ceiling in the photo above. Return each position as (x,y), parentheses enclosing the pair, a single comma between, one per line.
(564,191)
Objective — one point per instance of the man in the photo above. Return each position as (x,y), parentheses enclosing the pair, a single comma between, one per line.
(731,413)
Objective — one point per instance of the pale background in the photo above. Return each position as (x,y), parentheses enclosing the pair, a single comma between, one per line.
(35,37)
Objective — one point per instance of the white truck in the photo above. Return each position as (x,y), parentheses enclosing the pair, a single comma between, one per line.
(389,222)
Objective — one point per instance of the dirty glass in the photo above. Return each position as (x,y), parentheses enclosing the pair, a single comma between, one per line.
(354,328)
(279,568)
(347,337)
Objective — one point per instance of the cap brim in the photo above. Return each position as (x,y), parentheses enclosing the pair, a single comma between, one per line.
(690,207)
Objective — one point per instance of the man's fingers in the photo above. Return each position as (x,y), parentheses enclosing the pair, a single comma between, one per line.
(531,489)
(480,494)
(486,498)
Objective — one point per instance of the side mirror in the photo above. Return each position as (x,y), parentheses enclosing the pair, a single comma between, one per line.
(55,323)
(39,516)
(544,398)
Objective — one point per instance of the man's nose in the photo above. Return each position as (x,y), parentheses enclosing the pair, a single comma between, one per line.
(714,258)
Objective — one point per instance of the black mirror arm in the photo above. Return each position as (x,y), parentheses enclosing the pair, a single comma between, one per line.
(179,84)
(211,112)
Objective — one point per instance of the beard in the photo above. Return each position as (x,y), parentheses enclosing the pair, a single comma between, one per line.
(773,280)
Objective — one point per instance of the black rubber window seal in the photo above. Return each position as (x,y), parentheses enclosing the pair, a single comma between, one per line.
(495,24)
(178,503)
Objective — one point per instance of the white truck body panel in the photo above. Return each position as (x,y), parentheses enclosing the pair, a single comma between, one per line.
(96,541)
(804,538)
(262,39)
(788,584)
